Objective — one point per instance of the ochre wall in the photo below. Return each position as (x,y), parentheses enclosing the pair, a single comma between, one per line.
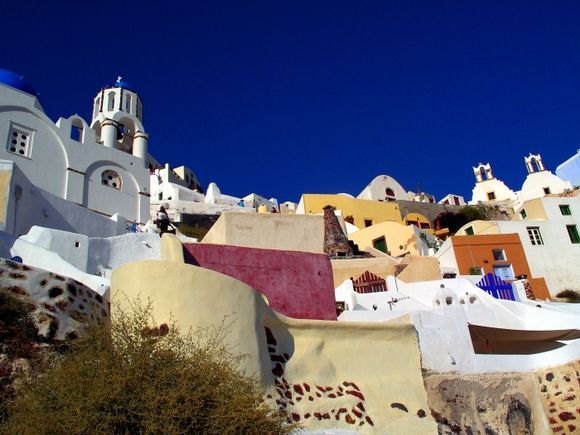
(343,269)
(477,251)
(297,284)
(400,238)
(534,210)
(420,269)
(269,231)
(417,217)
(359,209)
(5,177)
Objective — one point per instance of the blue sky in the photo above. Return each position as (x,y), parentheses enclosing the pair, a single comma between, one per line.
(285,98)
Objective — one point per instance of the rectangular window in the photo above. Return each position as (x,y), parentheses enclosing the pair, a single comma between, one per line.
(469,231)
(19,141)
(491,196)
(523,214)
(573,233)
(505,272)
(535,235)
(368,222)
(547,190)
(565,210)
(380,244)
(424,225)
(499,255)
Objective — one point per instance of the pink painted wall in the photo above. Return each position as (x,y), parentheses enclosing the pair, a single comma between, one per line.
(297,284)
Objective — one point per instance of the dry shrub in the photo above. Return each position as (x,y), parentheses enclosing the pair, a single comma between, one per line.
(570,295)
(138,378)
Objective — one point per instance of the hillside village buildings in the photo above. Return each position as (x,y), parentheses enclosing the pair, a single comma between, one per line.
(356,313)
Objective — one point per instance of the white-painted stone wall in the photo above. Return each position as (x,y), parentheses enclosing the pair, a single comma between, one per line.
(443,332)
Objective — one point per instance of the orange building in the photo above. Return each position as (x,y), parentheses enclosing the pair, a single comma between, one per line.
(500,254)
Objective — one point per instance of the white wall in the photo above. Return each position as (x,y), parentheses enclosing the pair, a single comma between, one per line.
(535,183)
(29,205)
(557,259)
(502,192)
(443,331)
(376,189)
(96,255)
(42,258)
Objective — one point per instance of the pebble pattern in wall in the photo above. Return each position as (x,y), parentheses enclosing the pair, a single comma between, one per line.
(350,406)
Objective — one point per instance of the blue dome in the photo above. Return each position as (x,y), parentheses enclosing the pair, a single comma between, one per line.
(15,81)
(120,83)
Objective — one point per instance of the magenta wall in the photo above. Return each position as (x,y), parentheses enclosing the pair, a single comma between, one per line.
(297,284)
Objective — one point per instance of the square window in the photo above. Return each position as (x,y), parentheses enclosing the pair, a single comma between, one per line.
(491,196)
(19,140)
(368,222)
(547,190)
(505,272)
(499,255)
(565,210)
(476,270)
(535,235)
(573,233)
(523,214)
(469,231)
(380,244)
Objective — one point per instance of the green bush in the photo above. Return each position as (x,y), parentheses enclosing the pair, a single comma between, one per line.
(135,378)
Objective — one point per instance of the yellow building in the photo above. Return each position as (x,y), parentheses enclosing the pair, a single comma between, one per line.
(390,237)
(419,221)
(364,212)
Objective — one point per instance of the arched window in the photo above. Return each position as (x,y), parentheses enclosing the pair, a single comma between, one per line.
(534,165)
(483,173)
(390,194)
(111,101)
(97,107)
(112,179)
(128,100)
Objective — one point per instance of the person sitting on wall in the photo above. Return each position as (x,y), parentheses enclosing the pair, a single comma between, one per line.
(241,203)
(163,222)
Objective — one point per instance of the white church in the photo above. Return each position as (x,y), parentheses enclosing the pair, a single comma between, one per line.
(75,176)
(92,178)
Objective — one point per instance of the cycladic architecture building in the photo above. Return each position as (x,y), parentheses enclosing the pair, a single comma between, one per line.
(488,188)
(383,188)
(540,181)
(101,167)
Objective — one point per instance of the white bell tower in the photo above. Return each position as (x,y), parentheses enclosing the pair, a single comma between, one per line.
(483,172)
(118,119)
(534,163)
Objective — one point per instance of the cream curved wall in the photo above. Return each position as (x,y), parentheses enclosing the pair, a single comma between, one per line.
(323,374)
